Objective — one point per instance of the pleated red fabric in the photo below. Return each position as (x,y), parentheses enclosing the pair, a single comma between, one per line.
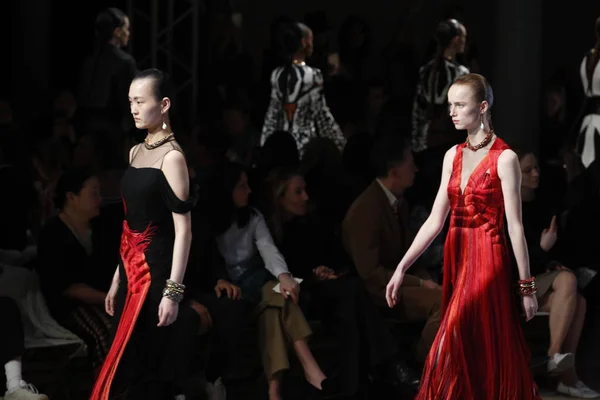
(133,246)
(480,351)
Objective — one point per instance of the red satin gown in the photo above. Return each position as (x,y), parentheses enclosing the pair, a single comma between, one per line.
(480,351)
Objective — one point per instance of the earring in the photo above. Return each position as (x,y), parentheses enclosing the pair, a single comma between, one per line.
(481,126)
(164,126)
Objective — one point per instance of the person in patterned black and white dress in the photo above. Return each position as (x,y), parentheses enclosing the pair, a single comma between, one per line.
(589,133)
(298,103)
(432,128)
(430,117)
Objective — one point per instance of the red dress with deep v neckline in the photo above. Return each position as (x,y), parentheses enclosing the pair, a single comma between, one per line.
(480,351)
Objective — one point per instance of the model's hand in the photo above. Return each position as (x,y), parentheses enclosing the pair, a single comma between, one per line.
(530,306)
(167,311)
(391,291)
(109,300)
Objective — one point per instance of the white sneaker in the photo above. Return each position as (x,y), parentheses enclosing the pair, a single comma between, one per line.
(217,390)
(560,363)
(26,391)
(580,390)
(583,386)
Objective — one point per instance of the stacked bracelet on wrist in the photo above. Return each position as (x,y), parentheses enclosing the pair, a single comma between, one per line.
(173,291)
(527,287)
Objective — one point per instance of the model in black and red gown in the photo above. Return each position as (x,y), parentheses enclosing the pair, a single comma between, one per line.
(147,356)
(479,351)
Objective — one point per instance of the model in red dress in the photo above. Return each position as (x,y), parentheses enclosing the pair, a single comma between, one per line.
(480,351)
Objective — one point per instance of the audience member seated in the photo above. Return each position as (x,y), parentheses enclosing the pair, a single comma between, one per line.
(12,347)
(48,158)
(100,153)
(279,150)
(329,185)
(242,138)
(313,254)
(557,285)
(376,235)
(357,165)
(203,152)
(252,261)
(222,313)
(582,199)
(73,284)
(18,215)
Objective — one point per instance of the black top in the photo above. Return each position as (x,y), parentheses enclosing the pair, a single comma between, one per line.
(149,203)
(63,261)
(537,216)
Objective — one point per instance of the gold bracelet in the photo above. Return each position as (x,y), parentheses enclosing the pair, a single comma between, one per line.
(173,291)
(172,295)
(175,286)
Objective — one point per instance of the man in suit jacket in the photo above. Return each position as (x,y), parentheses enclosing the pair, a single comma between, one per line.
(376,235)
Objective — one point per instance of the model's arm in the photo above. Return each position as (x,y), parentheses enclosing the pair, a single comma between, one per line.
(428,232)
(175,170)
(324,120)
(271,117)
(435,222)
(509,172)
(109,301)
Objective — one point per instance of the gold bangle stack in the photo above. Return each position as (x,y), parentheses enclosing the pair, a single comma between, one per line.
(173,291)
(527,287)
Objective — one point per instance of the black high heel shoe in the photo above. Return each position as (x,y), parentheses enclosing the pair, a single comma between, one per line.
(329,388)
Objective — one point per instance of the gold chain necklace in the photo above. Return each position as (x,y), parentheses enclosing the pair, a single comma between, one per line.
(482,144)
(159,142)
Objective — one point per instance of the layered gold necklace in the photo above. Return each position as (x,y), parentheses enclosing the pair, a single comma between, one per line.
(159,142)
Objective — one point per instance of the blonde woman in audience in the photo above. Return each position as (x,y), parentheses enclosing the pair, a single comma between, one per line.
(255,266)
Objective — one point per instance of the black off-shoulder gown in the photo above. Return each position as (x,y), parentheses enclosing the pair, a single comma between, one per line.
(146,361)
